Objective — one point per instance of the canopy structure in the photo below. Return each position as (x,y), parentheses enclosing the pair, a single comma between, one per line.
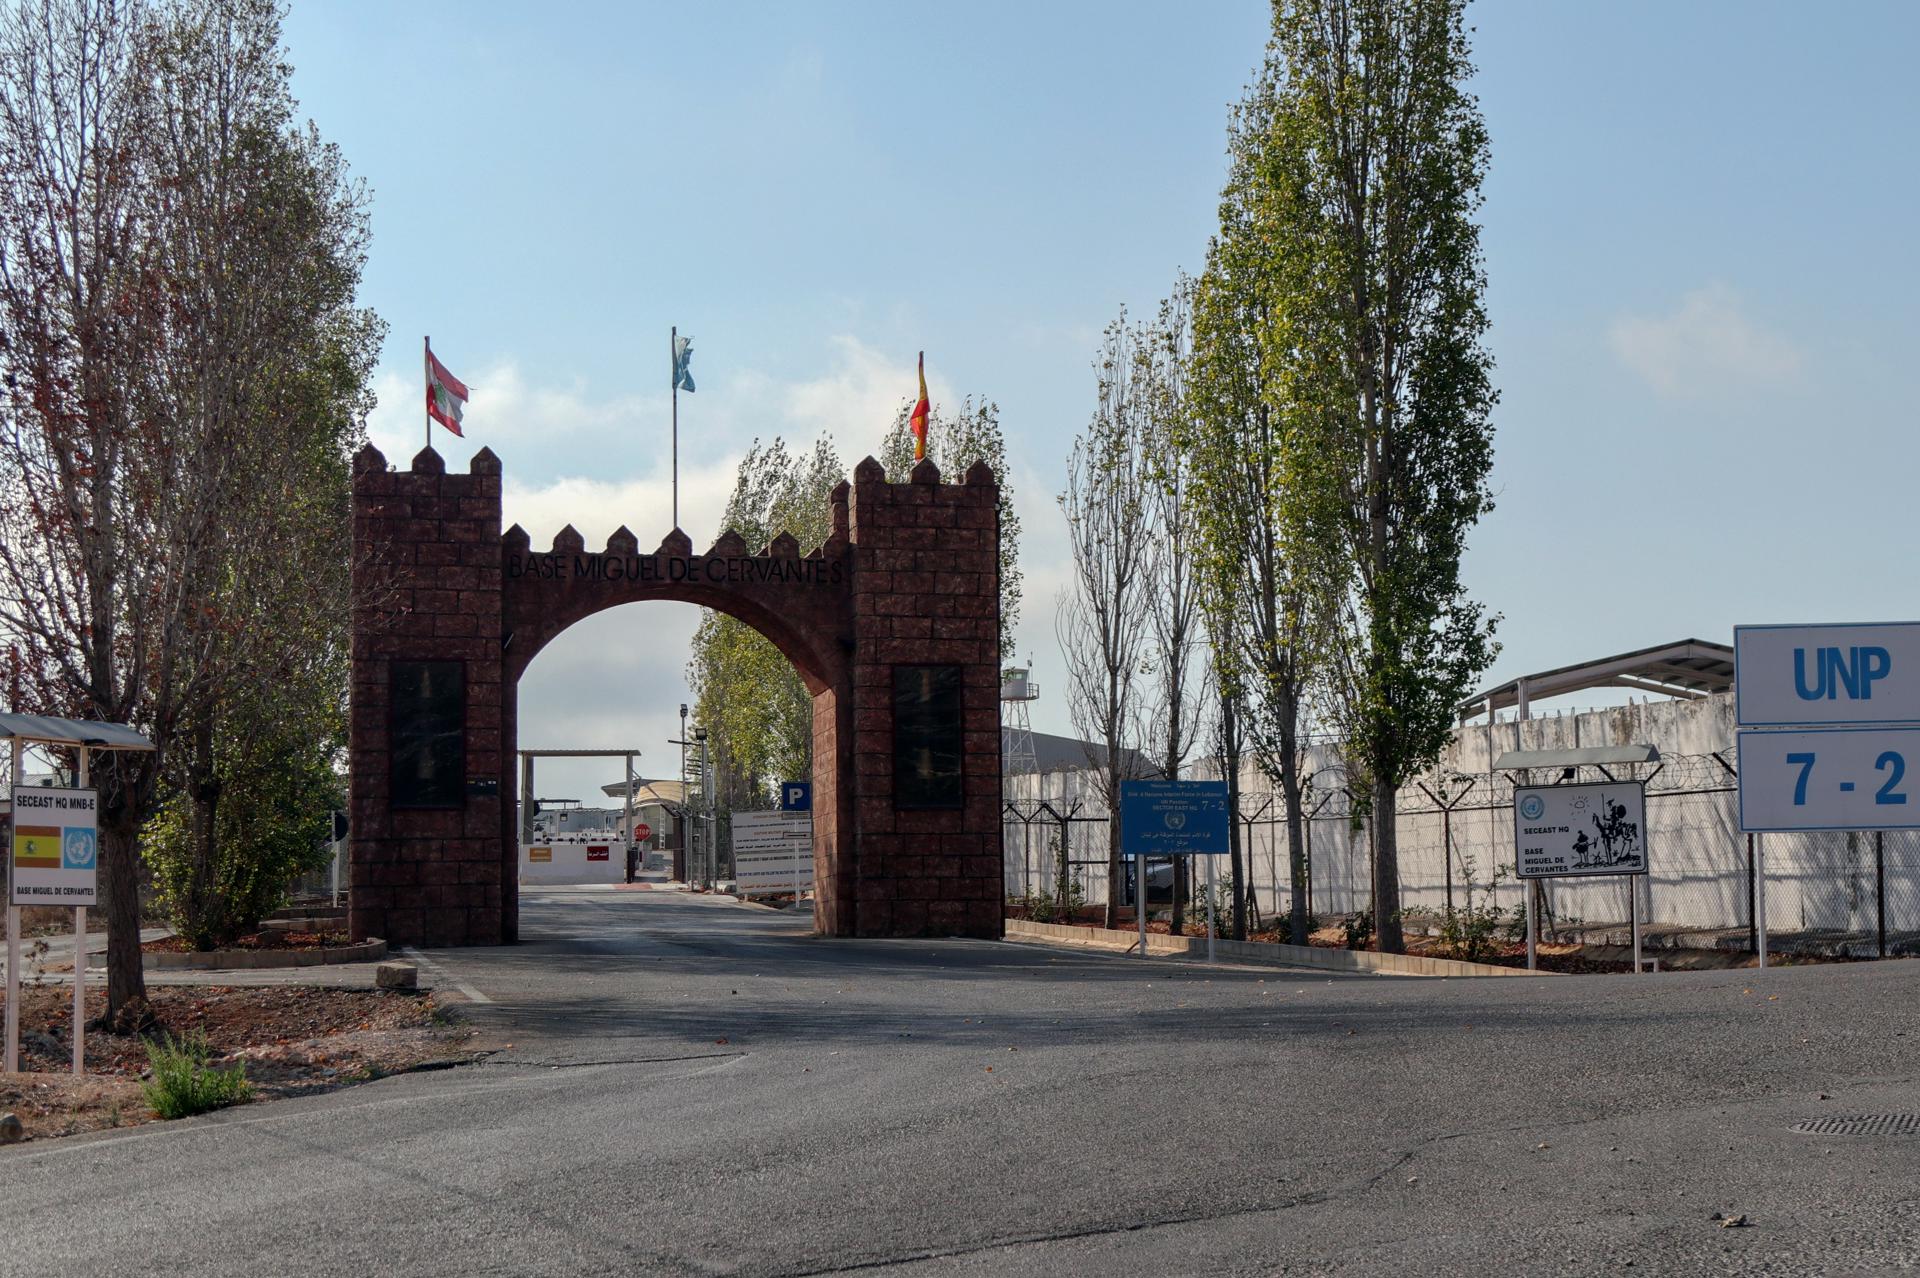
(1688,669)
(46,730)
(1589,756)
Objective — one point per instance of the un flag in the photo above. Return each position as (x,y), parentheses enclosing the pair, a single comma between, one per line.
(78,849)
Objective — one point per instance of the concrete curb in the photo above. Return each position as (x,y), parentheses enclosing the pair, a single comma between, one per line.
(1313,956)
(365,952)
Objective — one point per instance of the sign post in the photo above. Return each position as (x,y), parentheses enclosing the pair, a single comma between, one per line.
(797,796)
(1567,831)
(80,943)
(10,1053)
(1173,819)
(54,856)
(1829,716)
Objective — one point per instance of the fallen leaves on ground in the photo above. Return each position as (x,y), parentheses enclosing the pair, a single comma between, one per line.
(292,1039)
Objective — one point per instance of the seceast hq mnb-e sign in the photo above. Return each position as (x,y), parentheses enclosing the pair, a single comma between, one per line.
(56,846)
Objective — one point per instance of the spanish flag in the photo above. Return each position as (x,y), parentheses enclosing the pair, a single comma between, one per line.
(918,422)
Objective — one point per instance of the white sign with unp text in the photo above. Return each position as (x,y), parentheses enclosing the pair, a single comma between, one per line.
(1808,676)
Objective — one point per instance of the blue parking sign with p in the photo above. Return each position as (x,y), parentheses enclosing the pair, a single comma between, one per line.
(796,796)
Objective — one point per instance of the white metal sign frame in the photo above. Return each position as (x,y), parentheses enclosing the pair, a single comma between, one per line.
(1580,829)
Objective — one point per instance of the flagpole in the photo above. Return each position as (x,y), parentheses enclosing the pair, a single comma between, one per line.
(673,376)
(427,369)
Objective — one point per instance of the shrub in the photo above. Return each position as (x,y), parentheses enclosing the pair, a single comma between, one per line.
(1043,906)
(1474,931)
(184,1083)
(1360,930)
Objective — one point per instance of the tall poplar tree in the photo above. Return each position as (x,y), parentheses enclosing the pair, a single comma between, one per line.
(1265,605)
(1371,173)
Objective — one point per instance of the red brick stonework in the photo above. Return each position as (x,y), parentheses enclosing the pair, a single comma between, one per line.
(909,577)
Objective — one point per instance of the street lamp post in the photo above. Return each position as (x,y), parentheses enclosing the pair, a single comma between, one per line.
(711,861)
(686,823)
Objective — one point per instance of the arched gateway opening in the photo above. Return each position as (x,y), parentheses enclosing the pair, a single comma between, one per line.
(893,624)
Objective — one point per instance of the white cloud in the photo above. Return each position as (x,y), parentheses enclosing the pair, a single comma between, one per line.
(859,399)
(1708,346)
(572,456)
(542,432)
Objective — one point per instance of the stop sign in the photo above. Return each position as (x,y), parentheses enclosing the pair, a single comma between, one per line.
(642,832)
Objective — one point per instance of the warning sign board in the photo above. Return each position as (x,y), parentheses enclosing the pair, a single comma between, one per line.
(55,843)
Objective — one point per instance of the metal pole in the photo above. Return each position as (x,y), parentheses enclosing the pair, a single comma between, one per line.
(80,950)
(1760,895)
(428,342)
(673,341)
(526,798)
(1533,928)
(1209,909)
(1880,886)
(1753,929)
(793,851)
(10,1056)
(633,852)
(1633,905)
(1140,897)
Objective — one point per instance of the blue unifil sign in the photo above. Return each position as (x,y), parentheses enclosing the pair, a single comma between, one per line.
(796,796)
(1173,818)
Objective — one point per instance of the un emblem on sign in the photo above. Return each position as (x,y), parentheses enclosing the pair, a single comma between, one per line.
(1175,820)
(78,849)
(1533,807)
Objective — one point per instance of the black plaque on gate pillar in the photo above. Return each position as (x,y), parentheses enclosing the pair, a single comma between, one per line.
(427,734)
(927,737)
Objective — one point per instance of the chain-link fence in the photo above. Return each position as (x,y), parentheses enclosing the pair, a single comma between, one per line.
(1856,894)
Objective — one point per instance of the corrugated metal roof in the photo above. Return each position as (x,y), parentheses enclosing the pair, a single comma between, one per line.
(46,730)
(1686,668)
(648,791)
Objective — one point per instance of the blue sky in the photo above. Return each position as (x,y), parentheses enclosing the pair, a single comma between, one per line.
(1698,231)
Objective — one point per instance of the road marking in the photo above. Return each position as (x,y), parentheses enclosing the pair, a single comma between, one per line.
(441,972)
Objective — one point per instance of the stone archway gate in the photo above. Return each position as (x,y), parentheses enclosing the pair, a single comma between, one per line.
(893,624)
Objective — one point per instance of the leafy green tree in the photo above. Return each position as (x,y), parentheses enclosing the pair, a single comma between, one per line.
(1369,177)
(757,712)
(1163,392)
(1244,438)
(278,784)
(184,378)
(262,367)
(955,441)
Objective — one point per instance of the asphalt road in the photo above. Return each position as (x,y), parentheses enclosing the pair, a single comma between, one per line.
(699,1088)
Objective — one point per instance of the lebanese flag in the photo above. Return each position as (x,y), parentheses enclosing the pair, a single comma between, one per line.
(446,395)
